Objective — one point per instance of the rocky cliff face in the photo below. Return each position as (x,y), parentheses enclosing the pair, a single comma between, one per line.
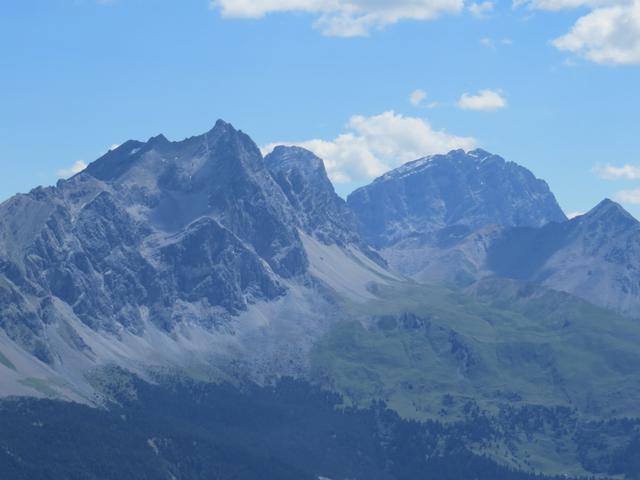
(447,196)
(163,235)
(149,226)
(319,211)
(302,177)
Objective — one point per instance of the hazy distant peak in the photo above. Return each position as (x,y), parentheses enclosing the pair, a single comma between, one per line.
(609,211)
(458,157)
(464,189)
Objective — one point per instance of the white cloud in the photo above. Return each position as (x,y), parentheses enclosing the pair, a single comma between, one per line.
(556,5)
(573,215)
(483,101)
(417,97)
(344,18)
(487,42)
(490,43)
(631,197)
(480,10)
(607,35)
(114,146)
(610,172)
(374,145)
(77,167)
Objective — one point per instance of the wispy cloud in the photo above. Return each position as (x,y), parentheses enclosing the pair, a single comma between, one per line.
(557,5)
(417,97)
(77,167)
(625,172)
(351,18)
(487,42)
(481,10)
(491,43)
(483,101)
(373,145)
(631,197)
(610,172)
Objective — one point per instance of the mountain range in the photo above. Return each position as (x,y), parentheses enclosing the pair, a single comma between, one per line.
(451,285)
(454,219)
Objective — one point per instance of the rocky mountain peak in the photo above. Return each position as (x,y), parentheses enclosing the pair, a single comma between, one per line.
(134,160)
(291,157)
(149,229)
(303,178)
(466,190)
(480,154)
(610,212)
(158,140)
(222,125)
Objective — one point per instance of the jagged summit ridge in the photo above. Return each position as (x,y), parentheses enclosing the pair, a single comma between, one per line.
(426,162)
(189,155)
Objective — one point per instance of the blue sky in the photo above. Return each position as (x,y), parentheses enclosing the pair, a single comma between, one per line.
(78,76)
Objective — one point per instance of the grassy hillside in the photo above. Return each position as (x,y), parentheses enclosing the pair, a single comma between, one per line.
(433,353)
